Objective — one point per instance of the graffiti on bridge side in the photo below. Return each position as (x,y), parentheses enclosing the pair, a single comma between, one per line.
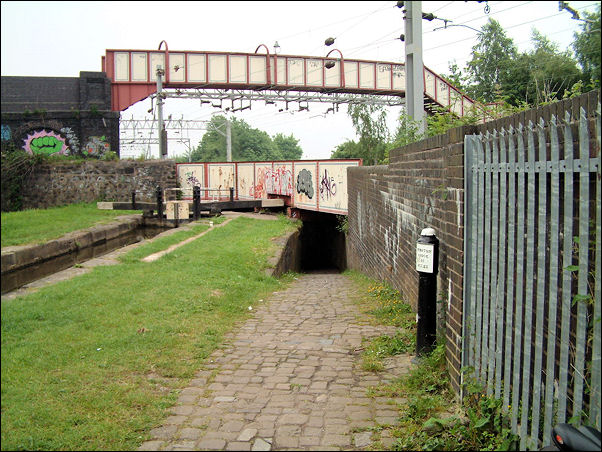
(280,181)
(257,190)
(328,187)
(305,183)
(192,180)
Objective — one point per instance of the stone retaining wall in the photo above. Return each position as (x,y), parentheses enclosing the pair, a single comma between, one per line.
(93,180)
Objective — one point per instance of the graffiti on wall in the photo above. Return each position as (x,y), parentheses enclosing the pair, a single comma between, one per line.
(305,184)
(5,132)
(97,146)
(72,140)
(280,181)
(45,142)
(191,179)
(258,189)
(328,187)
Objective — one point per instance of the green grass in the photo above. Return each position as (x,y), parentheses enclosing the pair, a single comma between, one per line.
(429,416)
(94,363)
(41,225)
(384,305)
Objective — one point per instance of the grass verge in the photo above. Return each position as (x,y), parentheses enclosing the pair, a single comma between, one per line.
(93,363)
(384,305)
(41,225)
(430,417)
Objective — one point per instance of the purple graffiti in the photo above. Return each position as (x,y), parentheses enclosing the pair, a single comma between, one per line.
(192,180)
(328,187)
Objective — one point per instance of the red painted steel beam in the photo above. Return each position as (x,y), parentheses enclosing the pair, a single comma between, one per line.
(132,77)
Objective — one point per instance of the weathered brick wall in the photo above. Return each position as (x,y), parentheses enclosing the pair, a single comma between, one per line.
(74,112)
(423,186)
(93,180)
(390,205)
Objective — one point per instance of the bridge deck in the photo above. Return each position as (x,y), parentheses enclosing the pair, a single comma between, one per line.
(133,75)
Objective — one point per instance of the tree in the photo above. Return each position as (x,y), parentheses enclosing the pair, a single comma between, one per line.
(287,146)
(347,150)
(492,59)
(542,74)
(212,147)
(587,47)
(372,131)
(248,143)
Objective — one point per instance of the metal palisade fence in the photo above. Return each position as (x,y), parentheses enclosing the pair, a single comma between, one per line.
(531,321)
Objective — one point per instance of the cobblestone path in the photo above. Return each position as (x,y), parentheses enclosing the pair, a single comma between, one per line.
(288,379)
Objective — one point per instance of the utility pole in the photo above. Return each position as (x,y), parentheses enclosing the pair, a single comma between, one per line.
(414,66)
(162,131)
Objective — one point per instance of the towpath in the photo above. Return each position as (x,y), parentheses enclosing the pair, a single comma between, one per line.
(289,378)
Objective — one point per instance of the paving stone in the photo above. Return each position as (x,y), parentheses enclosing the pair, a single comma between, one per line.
(335,440)
(211,444)
(293,418)
(184,445)
(224,399)
(237,445)
(362,439)
(261,445)
(183,410)
(247,434)
(191,433)
(232,426)
(150,445)
(166,432)
(288,373)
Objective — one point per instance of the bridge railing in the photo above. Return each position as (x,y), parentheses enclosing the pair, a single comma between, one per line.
(133,73)
(319,185)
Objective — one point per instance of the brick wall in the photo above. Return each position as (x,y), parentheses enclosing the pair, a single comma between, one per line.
(73,110)
(390,205)
(423,186)
(93,180)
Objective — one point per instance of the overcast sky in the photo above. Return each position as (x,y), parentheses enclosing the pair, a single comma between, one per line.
(61,39)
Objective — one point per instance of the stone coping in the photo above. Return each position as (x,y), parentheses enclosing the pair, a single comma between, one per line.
(22,256)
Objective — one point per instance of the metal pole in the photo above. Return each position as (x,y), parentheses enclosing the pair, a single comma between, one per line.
(162,133)
(414,65)
(228,140)
(196,202)
(427,266)
(159,193)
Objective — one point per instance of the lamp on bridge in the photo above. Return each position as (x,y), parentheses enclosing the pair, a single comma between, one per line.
(331,63)
(276,48)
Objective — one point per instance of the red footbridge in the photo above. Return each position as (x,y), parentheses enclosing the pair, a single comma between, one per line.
(270,77)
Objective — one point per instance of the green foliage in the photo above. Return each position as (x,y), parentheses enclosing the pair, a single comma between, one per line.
(498,72)
(342,224)
(542,75)
(587,47)
(248,144)
(370,123)
(109,156)
(492,59)
(347,150)
(287,147)
(16,167)
(430,417)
